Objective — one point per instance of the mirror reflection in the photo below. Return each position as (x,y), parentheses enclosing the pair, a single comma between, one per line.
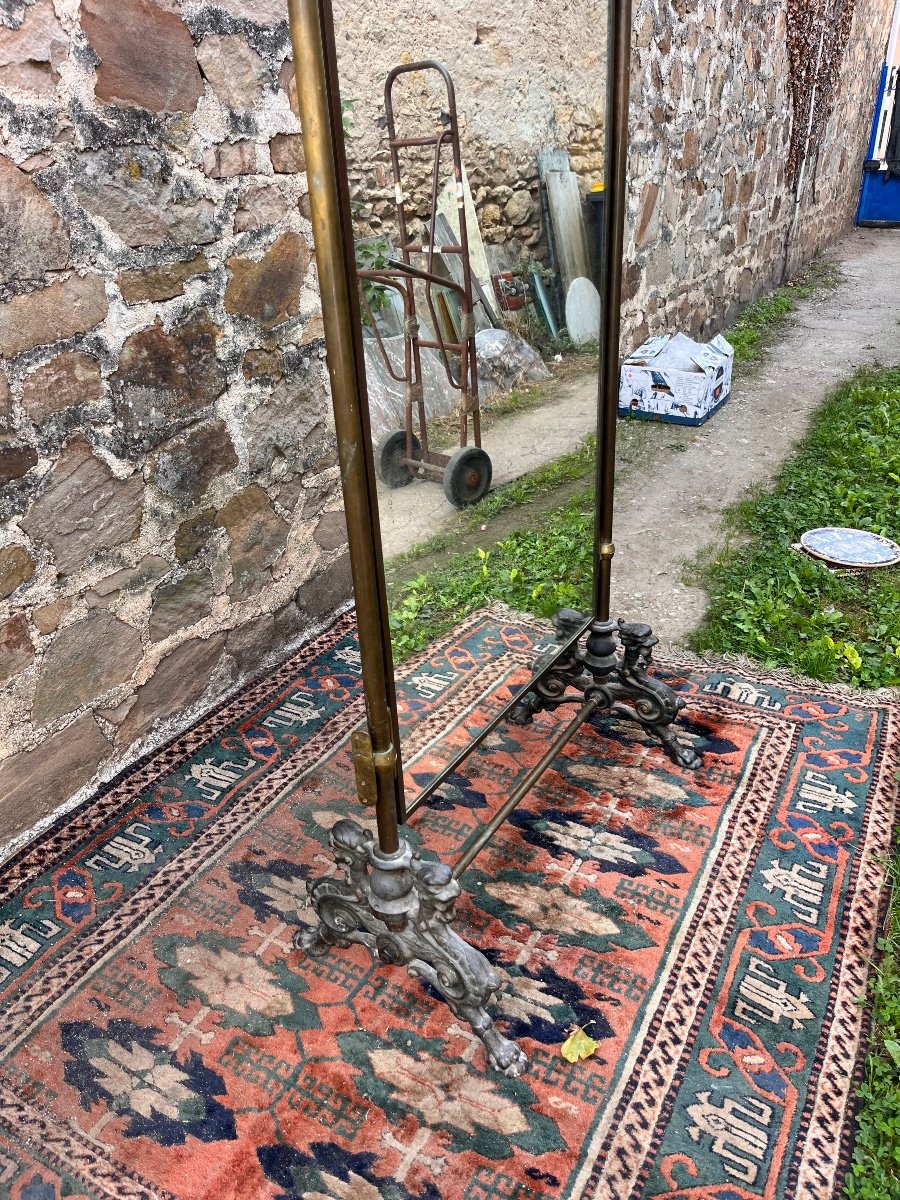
(475,160)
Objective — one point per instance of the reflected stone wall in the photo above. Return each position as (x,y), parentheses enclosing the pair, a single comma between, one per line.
(528,76)
(718,212)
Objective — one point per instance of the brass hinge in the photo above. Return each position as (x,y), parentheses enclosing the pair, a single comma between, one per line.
(367,764)
(364,766)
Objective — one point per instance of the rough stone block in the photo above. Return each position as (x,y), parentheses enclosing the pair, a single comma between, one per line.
(648,223)
(518,208)
(181,604)
(146,55)
(35,782)
(47,618)
(177,683)
(265,638)
(186,466)
(260,364)
(256,538)
(160,283)
(31,55)
(33,238)
(331,531)
(288,156)
(229,159)
(135,191)
(52,314)
(69,379)
(327,591)
(84,661)
(267,291)
(16,568)
(284,425)
(84,508)
(16,460)
(234,70)
(148,571)
(165,379)
(262,206)
(249,644)
(194,533)
(16,650)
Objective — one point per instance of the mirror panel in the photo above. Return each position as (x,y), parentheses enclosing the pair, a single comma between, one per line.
(475,164)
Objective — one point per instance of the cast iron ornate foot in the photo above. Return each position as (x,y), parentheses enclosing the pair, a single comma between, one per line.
(401,907)
(616,675)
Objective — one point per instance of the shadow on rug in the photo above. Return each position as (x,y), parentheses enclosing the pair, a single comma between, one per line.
(161,1038)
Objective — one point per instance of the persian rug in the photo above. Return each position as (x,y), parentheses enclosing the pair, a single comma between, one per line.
(161,1038)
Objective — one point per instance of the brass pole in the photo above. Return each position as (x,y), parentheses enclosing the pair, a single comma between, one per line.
(315,65)
(616,153)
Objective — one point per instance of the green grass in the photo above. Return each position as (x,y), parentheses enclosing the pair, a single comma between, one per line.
(539,482)
(775,604)
(534,570)
(764,320)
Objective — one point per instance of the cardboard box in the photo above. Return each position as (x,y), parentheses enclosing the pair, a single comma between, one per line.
(676,379)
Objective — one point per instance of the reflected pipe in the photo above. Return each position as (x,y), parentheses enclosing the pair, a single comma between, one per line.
(615,168)
(318,93)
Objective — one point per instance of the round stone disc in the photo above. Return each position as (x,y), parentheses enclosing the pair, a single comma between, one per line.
(850,547)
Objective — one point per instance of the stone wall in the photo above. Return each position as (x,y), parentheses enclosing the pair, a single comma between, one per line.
(529,76)
(169,492)
(749,124)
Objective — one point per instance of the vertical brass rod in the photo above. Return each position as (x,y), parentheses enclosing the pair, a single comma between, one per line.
(315,65)
(618,88)
(487,832)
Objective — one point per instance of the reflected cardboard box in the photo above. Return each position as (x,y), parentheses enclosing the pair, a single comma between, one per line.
(672,378)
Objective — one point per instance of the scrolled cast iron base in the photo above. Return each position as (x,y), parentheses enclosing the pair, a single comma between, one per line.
(617,675)
(401,907)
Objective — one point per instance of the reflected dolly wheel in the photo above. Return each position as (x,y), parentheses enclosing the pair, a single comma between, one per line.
(467,476)
(389,452)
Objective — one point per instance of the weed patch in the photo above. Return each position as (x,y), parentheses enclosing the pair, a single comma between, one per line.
(533,570)
(777,605)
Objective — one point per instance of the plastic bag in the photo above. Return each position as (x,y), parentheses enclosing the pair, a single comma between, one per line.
(505,361)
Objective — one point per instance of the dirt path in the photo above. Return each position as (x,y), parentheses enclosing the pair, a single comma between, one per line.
(666,516)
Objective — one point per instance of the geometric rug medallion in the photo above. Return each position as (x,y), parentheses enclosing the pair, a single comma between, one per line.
(161,1038)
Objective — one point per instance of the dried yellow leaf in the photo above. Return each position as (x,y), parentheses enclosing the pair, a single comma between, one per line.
(578,1046)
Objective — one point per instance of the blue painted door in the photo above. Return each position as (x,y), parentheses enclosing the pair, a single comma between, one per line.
(879,201)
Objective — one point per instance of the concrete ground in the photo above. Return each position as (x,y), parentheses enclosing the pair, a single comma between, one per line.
(675,488)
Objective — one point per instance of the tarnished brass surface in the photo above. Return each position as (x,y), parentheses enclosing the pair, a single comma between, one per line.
(315,65)
(364,766)
(617,95)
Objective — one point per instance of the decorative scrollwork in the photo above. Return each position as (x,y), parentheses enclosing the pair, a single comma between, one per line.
(401,906)
(616,677)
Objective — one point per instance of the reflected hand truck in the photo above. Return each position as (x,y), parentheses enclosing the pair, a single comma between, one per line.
(403,454)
